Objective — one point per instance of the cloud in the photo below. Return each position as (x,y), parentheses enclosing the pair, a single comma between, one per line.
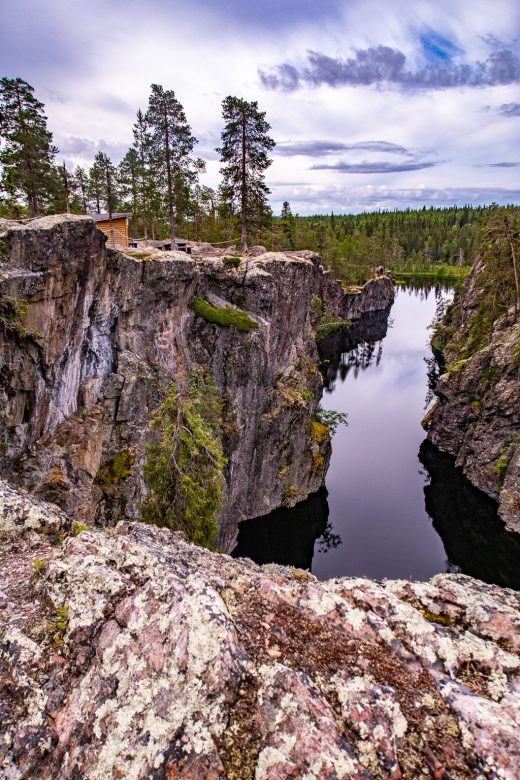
(323,148)
(375,167)
(386,66)
(510,109)
(499,165)
(86,148)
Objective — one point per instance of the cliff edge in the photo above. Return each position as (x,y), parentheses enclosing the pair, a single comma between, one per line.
(92,340)
(477,416)
(129,652)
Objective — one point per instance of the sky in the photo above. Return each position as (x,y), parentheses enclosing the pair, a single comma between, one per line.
(373,104)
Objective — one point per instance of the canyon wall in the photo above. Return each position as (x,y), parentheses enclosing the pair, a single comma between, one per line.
(104,337)
(477,416)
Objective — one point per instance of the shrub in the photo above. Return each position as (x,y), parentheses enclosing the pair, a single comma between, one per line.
(328,328)
(331,419)
(184,469)
(232,262)
(115,470)
(223,316)
(78,528)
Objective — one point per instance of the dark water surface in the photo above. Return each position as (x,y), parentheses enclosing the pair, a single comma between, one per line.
(392,508)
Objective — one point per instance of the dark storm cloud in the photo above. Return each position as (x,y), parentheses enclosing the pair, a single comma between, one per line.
(323,148)
(385,66)
(375,167)
(510,109)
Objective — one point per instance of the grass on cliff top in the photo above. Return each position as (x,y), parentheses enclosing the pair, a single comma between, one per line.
(223,316)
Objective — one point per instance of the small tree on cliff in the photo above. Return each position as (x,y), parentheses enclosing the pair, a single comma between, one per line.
(171,145)
(28,155)
(244,149)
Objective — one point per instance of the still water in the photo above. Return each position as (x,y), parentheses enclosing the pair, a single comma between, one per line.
(393,507)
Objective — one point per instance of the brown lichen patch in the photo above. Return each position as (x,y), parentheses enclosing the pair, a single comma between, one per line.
(274,630)
(239,745)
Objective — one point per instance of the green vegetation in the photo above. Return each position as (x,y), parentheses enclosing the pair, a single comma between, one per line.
(499,244)
(115,470)
(307,395)
(140,255)
(232,262)
(439,271)
(224,316)
(458,366)
(57,625)
(12,312)
(184,469)
(39,565)
(325,330)
(331,419)
(78,528)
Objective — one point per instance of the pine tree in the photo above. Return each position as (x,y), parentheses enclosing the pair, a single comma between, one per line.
(80,185)
(95,185)
(142,143)
(108,187)
(244,149)
(171,145)
(28,154)
(128,177)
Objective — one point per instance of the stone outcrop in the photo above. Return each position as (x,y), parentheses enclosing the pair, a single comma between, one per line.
(129,652)
(477,417)
(106,334)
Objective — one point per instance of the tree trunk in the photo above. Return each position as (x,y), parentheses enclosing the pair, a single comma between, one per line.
(244,186)
(171,214)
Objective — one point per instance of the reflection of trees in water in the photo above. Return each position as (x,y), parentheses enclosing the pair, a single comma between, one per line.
(288,536)
(328,540)
(434,364)
(354,349)
(474,537)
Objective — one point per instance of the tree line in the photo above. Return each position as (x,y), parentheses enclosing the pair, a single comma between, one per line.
(157,181)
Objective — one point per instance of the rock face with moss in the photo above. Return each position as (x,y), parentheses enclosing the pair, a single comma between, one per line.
(477,417)
(91,340)
(129,652)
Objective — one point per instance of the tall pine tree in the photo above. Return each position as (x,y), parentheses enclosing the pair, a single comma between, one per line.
(108,183)
(28,154)
(171,145)
(244,149)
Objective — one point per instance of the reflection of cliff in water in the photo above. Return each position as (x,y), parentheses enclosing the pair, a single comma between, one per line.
(466,519)
(353,348)
(287,536)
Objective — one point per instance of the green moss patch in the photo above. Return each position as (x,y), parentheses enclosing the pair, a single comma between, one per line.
(231,261)
(115,470)
(223,316)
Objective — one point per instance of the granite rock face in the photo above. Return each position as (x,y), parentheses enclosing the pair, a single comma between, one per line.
(477,417)
(135,654)
(106,334)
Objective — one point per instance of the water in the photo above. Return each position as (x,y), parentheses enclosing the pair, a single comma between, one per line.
(393,507)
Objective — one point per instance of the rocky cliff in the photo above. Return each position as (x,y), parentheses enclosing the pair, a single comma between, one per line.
(91,341)
(477,417)
(129,653)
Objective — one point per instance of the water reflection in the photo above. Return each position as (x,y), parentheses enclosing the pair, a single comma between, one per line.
(354,349)
(287,536)
(398,516)
(474,537)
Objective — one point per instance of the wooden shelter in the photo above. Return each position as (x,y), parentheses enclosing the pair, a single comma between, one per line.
(119,226)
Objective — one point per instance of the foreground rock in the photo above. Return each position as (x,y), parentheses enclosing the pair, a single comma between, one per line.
(106,334)
(477,417)
(143,656)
